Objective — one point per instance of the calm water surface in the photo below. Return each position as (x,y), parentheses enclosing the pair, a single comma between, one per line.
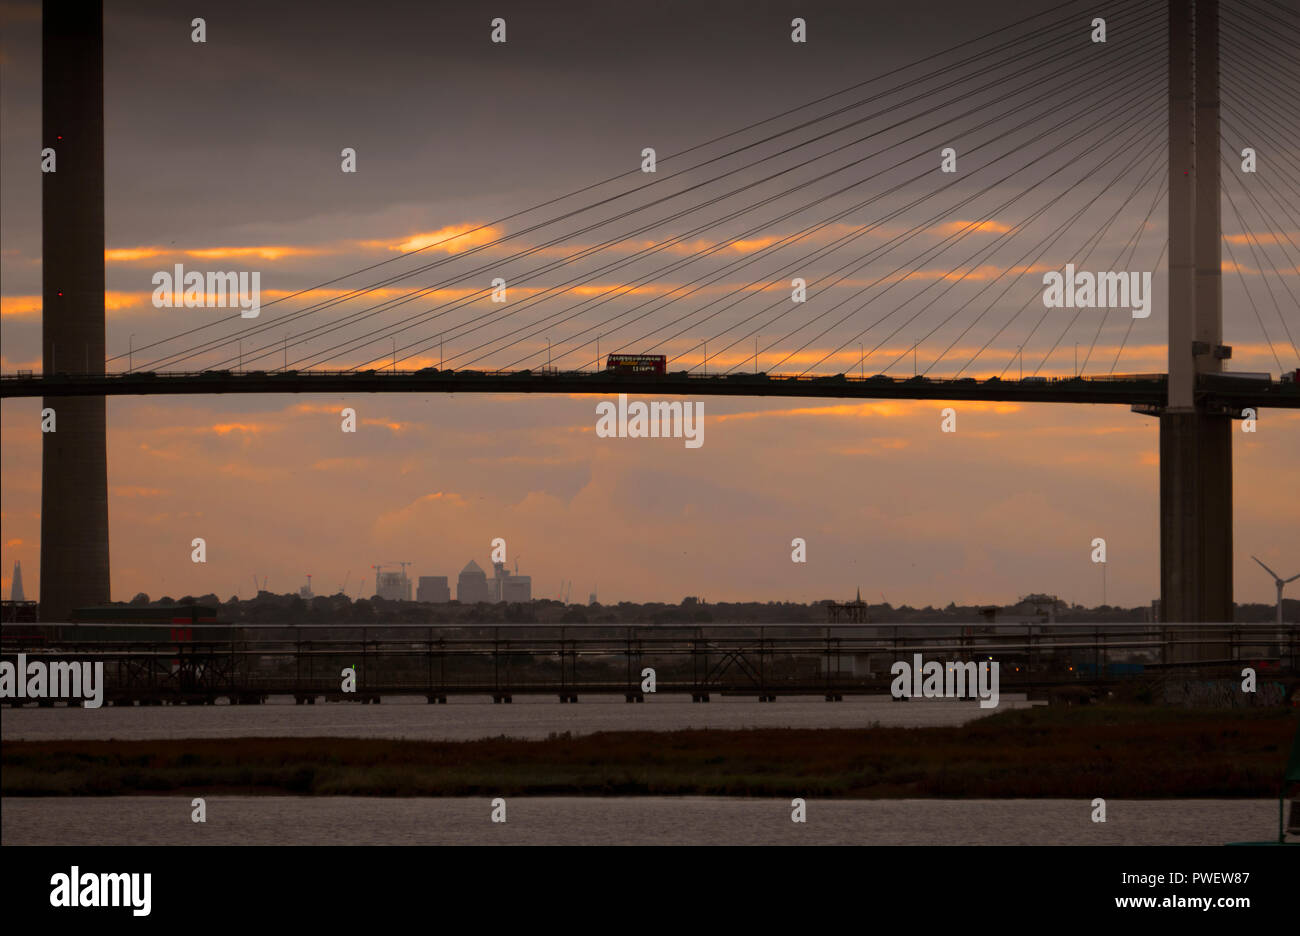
(285,820)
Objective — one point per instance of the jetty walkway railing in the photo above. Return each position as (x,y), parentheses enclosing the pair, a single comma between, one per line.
(204,663)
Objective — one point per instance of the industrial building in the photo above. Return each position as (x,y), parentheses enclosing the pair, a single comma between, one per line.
(433,589)
(506,587)
(517,588)
(394,586)
(16,584)
(472,585)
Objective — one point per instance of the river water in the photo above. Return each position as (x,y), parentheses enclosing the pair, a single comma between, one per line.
(286,820)
(469,717)
(292,820)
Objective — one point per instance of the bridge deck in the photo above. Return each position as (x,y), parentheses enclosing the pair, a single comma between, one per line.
(1147,390)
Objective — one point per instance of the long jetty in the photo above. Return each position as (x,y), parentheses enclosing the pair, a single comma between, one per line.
(149,664)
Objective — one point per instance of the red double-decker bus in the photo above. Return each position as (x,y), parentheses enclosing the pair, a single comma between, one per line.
(637,363)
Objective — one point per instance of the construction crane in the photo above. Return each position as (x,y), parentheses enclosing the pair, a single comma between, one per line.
(343,589)
(397,562)
(390,562)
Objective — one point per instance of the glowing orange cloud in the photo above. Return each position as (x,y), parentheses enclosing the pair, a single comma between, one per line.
(1265,237)
(387,424)
(644,289)
(20,306)
(227,428)
(121,300)
(971,227)
(29,307)
(451,239)
(133,254)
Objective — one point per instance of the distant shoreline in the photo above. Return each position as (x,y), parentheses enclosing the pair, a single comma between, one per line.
(1130,752)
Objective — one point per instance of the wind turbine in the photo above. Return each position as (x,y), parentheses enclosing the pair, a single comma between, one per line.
(1281,583)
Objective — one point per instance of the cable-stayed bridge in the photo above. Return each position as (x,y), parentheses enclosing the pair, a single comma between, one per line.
(831,238)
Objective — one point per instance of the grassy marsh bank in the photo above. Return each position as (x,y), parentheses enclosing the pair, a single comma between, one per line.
(1118,751)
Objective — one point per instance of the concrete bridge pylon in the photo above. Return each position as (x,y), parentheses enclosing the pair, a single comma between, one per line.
(74,458)
(1195,441)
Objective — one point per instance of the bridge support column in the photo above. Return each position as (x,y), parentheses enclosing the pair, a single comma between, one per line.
(1195,445)
(1195,527)
(74,459)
